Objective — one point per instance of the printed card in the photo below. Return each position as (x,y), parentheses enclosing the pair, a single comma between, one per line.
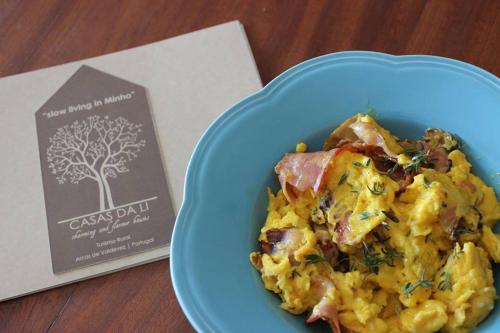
(104,184)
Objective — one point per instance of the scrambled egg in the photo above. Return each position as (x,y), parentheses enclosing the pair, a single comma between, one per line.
(376,234)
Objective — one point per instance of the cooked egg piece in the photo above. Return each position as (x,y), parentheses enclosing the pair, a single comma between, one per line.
(471,295)
(427,317)
(490,241)
(360,190)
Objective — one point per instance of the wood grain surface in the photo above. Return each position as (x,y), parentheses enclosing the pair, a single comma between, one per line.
(37,34)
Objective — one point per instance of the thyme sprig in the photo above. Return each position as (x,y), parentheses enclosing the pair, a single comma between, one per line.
(418,159)
(422,282)
(390,254)
(378,188)
(445,282)
(391,170)
(371,259)
(314,258)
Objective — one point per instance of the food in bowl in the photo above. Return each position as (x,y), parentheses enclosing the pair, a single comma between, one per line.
(378,234)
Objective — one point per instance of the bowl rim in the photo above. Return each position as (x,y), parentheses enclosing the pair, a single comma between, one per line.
(181,289)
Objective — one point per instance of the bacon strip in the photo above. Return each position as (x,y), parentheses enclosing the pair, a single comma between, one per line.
(303,171)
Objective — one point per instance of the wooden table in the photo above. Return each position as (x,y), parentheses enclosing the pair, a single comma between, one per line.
(36,34)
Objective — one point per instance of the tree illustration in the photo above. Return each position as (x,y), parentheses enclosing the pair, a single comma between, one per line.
(95,148)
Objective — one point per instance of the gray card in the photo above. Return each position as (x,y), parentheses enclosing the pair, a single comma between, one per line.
(104,184)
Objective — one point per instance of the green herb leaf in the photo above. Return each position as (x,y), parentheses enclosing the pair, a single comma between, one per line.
(357,164)
(425,283)
(427,183)
(445,282)
(411,151)
(390,171)
(353,266)
(314,258)
(422,283)
(325,200)
(370,111)
(391,216)
(343,178)
(408,288)
(378,188)
(456,253)
(418,159)
(367,163)
(390,254)
(371,259)
(364,215)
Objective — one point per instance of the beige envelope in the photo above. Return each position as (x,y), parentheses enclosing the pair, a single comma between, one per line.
(190,80)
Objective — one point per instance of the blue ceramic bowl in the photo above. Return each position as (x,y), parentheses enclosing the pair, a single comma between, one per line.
(225,189)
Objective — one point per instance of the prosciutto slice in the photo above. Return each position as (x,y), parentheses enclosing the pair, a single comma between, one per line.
(438,157)
(327,311)
(358,133)
(302,171)
(369,134)
(341,135)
